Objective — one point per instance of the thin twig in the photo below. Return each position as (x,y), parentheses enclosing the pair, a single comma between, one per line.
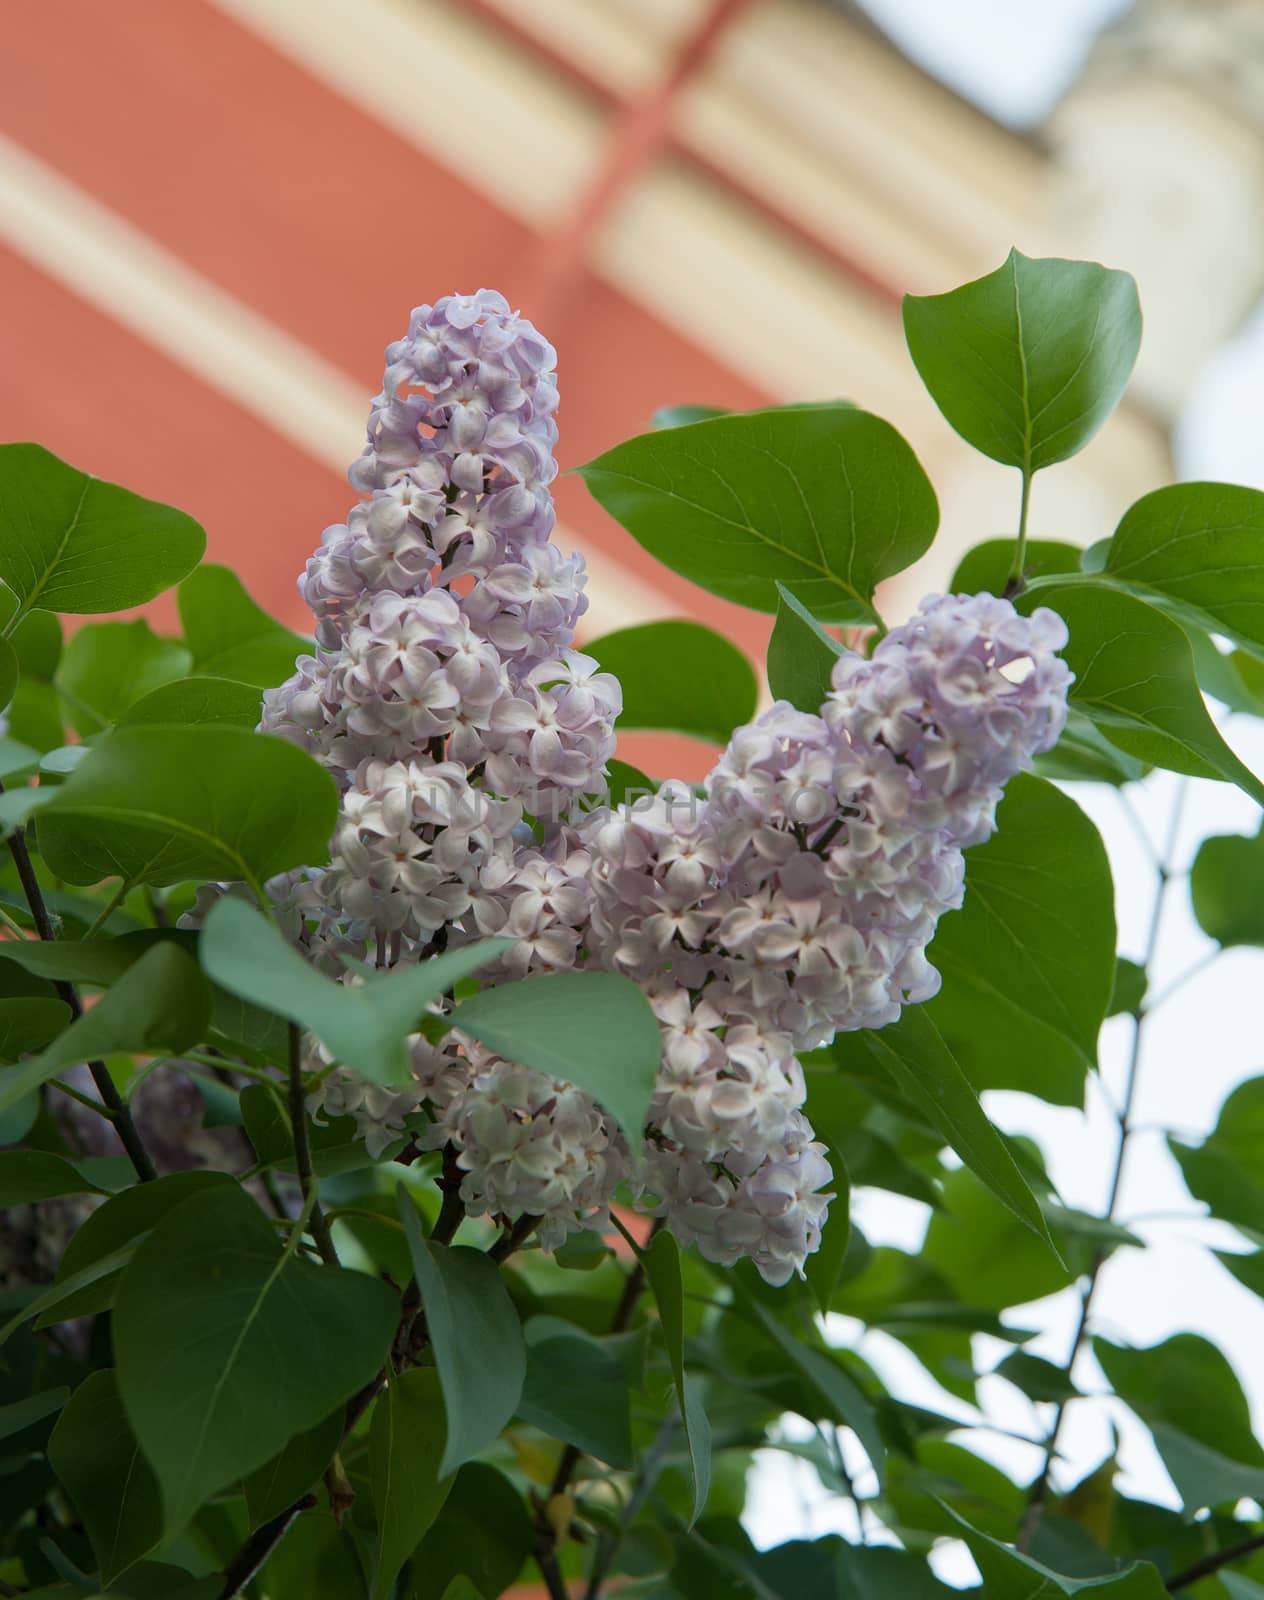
(1219,1559)
(1039,1492)
(608,1544)
(108,909)
(451,1212)
(260,1545)
(514,1238)
(545,1532)
(120,1116)
(303,1151)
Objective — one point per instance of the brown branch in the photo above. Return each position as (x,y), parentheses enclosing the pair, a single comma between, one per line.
(546,1537)
(260,1545)
(1210,1565)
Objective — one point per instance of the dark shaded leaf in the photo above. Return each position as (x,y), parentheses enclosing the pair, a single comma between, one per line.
(159,1006)
(406,1442)
(575,1390)
(215,1331)
(95,1454)
(476,1338)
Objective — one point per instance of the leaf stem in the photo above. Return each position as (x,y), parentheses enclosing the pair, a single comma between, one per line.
(1039,1492)
(120,1116)
(108,909)
(303,1151)
(1014,583)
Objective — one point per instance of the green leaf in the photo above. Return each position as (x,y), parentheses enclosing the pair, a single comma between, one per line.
(593,1029)
(828,500)
(27,1024)
(32,1408)
(1028,362)
(1135,679)
(292,1471)
(1227,1170)
(365,1024)
(116,1225)
(989,1257)
(1037,1378)
(1028,963)
(801,655)
(681,416)
(315,1561)
(30,1175)
(192,701)
(825,1267)
(1226,885)
(1129,992)
(159,1006)
(484,1534)
(662,1271)
(214,1336)
(9,673)
(1085,755)
(1239,1587)
(475,1335)
(844,1397)
(95,1454)
(335,1145)
(626,784)
(1198,550)
(72,542)
(406,1442)
(575,1390)
(1007,1575)
(162,804)
(58,1293)
(230,636)
(1185,1383)
(107,666)
(914,1056)
(1247,1269)
(679,676)
(35,716)
(866,1572)
(1204,1476)
(986,568)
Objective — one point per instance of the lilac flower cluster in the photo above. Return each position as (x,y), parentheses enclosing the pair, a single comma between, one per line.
(793,899)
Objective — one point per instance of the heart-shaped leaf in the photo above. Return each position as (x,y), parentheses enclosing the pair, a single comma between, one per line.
(213,1335)
(72,542)
(827,499)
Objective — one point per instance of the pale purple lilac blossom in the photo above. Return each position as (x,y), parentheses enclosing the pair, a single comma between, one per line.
(793,900)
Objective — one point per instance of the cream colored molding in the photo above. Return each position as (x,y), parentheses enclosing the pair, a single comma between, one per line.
(135,281)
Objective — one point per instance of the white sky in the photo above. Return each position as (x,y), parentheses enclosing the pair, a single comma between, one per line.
(1014,57)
